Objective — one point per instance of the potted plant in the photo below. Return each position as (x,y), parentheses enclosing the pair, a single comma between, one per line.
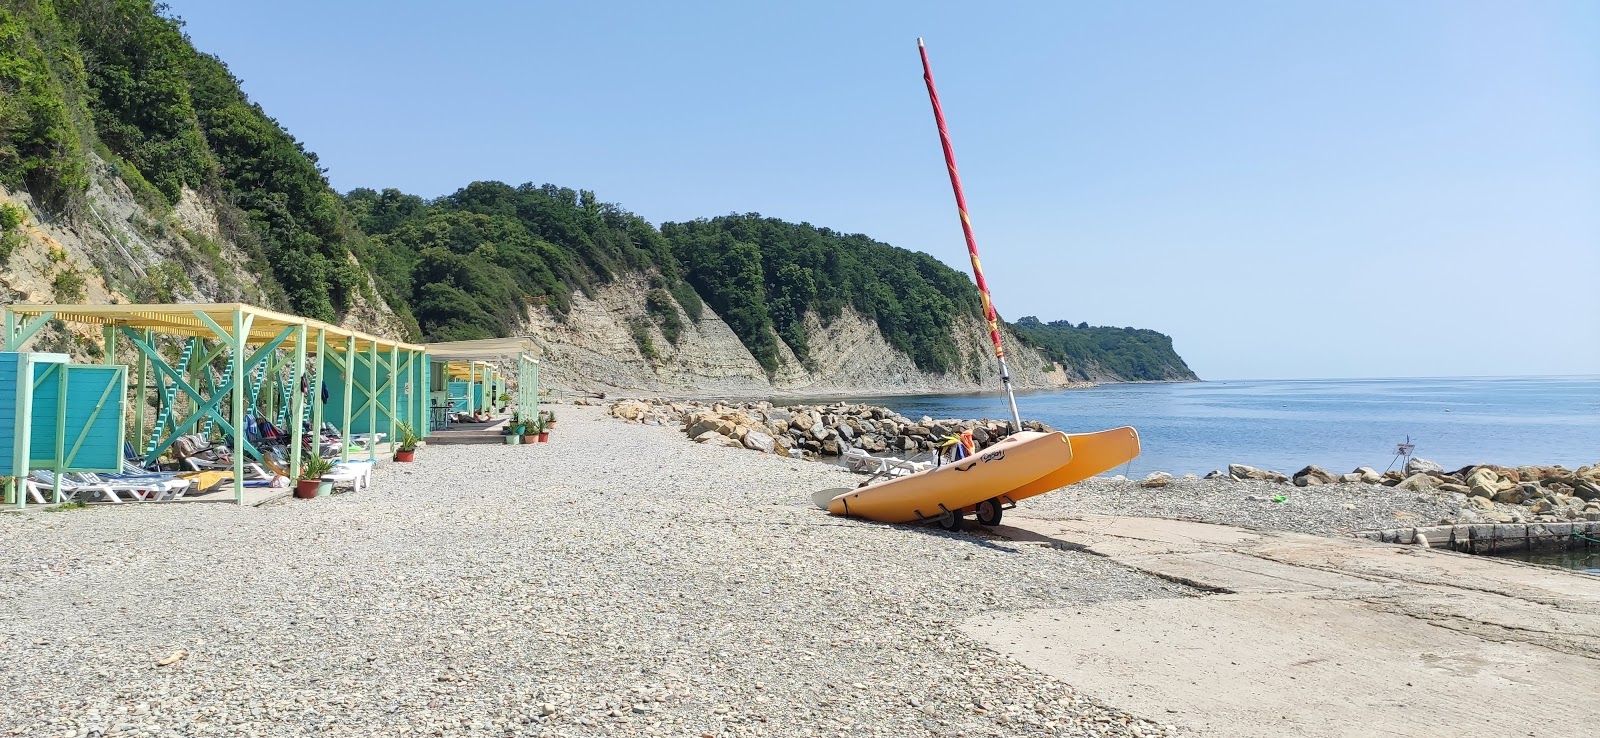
(407,449)
(529,432)
(310,482)
(511,434)
(550,420)
(542,430)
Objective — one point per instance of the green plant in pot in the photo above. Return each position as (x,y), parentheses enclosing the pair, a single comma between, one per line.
(512,433)
(542,430)
(529,433)
(406,450)
(550,420)
(310,483)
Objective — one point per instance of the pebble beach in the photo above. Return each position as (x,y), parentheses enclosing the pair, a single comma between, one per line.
(619,581)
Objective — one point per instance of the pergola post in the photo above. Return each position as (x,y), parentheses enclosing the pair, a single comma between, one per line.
(297,405)
(349,389)
(372,403)
(237,358)
(314,391)
(394,391)
(139,396)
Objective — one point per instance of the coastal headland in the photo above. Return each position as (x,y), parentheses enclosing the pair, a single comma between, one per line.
(623,580)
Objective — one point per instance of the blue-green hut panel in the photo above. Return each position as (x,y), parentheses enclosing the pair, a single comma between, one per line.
(91,416)
(43,399)
(10,366)
(360,415)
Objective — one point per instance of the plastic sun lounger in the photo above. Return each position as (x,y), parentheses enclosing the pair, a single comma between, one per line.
(85,492)
(156,489)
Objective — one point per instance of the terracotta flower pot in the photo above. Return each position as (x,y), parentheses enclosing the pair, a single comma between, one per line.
(528,438)
(306,489)
(544,437)
(405,455)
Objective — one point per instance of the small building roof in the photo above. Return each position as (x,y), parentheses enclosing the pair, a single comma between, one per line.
(484,349)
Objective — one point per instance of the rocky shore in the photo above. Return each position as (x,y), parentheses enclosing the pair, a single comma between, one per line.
(809,431)
(1483,493)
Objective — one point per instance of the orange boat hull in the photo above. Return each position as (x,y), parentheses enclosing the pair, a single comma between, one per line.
(1009,465)
(1092,453)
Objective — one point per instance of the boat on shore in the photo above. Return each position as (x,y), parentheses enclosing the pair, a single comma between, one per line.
(985,483)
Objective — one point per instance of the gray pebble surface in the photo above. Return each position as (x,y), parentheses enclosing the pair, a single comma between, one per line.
(1322,510)
(619,581)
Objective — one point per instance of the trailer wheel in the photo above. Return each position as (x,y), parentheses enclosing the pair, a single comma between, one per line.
(950,521)
(989,512)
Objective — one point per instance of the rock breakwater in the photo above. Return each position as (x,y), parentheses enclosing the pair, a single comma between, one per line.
(1485,493)
(810,431)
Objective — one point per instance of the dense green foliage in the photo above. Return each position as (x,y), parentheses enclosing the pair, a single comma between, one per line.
(1129,353)
(764,276)
(471,263)
(41,88)
(119,77)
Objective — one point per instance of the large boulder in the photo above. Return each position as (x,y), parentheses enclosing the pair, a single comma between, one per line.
(1419,482)
(713,438)
(820,432)
(1483,482)
(1419,465)
(1368,475)
(1313,476)
(708,422)
(845,431)
(1156,480)
(802,421)
(830,447)
(630,410)
(759,441)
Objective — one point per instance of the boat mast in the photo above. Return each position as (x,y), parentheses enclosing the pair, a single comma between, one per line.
(972,243)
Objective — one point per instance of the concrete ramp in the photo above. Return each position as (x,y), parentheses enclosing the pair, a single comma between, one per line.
(1317,636)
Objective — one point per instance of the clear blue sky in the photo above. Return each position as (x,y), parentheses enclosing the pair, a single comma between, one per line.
(1308,189)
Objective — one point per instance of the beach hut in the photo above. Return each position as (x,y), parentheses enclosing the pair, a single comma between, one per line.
(378,379)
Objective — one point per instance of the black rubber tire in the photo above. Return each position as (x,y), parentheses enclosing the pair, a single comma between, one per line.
(990,512)
(950,522)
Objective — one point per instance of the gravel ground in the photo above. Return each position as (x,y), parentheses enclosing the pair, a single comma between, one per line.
(1324,510)
(617,582)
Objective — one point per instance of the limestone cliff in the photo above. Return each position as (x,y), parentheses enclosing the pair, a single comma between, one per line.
(595,349)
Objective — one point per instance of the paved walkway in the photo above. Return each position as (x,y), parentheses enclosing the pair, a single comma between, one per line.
(1317,636)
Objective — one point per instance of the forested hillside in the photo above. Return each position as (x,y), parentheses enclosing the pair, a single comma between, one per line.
(135,168)
(764,275)
(472,264)
(1131,353)
(117,78)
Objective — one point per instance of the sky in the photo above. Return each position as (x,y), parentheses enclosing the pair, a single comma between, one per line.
(1290,190)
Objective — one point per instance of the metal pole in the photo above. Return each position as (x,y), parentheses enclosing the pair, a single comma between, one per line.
(972,242)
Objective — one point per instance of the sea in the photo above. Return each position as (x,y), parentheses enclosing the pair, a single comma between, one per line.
(1337,424)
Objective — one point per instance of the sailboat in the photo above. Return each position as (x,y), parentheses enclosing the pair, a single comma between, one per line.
(1022,465)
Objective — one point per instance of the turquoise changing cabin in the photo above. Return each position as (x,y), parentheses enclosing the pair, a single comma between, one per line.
(59,416)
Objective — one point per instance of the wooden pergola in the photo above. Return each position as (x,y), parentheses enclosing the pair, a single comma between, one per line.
(375,372)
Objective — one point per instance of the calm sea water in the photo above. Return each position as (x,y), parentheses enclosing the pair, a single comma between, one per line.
(1337,424)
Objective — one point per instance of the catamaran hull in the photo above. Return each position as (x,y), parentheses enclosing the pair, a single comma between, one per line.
(1092,453)
(1008,465)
